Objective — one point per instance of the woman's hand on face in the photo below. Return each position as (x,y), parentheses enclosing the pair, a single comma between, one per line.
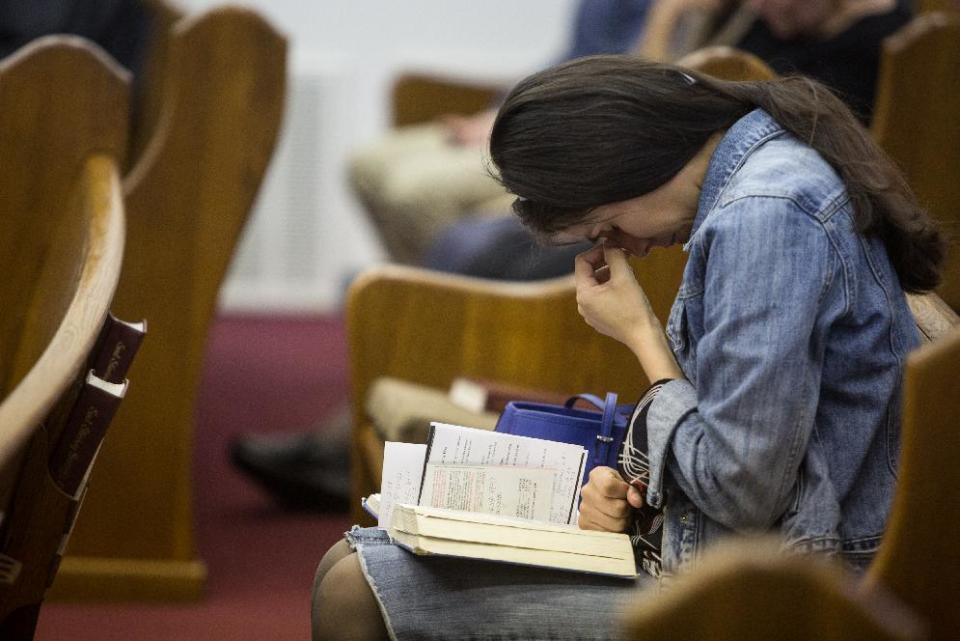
(612,302)
(607,501)
(609,297)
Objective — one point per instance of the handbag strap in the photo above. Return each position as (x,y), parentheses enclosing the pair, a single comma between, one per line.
(590,398)
(605,435)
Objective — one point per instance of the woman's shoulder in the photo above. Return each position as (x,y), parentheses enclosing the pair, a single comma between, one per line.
(783,168)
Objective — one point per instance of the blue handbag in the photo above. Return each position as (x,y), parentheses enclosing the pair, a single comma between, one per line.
(600,432)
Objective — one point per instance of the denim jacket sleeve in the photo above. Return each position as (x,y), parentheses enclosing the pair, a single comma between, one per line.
(733,440)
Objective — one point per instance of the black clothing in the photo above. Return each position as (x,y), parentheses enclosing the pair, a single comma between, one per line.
(120,27)
(847,63)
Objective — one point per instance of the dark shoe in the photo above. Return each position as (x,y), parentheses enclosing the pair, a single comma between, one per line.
(301,471)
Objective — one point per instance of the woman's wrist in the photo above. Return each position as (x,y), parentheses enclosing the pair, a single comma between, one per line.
(649,344)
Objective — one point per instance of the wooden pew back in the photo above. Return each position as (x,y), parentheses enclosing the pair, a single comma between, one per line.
(61,102)
(188,198)
(63,115)
(919,560)
(419,98)
(749,590)
(926,6)
(915,121)
(147,103)
(728,63)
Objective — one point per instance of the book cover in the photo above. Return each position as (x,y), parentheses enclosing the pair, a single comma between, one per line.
(426,531)
(115,348)
(478,527)
(83,431)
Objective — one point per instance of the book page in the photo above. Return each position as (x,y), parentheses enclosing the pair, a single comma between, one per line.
(371,504)
(453,444)
(521,492)
(402,473)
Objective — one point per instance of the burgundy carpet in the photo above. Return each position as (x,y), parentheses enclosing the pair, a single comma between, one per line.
(261,374)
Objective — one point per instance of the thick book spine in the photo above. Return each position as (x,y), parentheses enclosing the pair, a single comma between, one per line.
(83,432)
(115,348)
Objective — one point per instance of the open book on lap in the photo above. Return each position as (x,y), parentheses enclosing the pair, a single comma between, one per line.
(486,495)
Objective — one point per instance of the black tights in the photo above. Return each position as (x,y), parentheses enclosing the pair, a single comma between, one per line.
(343,607)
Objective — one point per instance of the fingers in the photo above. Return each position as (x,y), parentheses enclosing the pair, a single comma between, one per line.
(604,505)
(591,521)
(608,482)
(590,267)
(592,518)
(583,271)
(635,497)
(616,258)
(599,264)
(594,255)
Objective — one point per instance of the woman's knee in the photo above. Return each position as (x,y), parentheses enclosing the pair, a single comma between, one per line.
(343,588)
(339,550)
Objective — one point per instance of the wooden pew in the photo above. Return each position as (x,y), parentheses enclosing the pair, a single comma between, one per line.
(430,328)
(147,104)
(915,121)
(63,114)
(748,591)
(927,6)
(728,63)
(421,97)
(418,98)
(188,197)
(919,560)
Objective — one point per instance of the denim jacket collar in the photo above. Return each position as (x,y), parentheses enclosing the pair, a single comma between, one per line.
(737,143)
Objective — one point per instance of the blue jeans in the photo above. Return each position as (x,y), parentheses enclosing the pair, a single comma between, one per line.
(447,598)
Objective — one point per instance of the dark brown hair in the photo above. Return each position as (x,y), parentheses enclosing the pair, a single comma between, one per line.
(604,129)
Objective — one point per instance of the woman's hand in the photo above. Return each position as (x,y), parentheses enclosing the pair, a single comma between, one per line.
(612,302)
(469,131)
(607,501)
(608,295)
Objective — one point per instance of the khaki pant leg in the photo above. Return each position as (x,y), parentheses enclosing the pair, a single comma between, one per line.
(413,183)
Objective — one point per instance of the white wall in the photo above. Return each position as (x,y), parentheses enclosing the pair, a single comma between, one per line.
(356,47)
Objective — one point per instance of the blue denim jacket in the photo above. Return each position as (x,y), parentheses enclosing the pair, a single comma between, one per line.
(792,331)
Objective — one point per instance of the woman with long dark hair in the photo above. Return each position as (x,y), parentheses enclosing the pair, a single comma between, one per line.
(776,402)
